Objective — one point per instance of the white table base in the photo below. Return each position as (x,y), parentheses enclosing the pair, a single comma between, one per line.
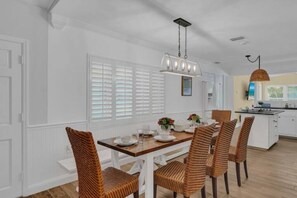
(147,168)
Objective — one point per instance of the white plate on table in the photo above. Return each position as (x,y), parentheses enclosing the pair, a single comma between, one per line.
(190,130)
(168,139)
(120,143)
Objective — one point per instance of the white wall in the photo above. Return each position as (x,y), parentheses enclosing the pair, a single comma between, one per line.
(67,69)
(20,20)
(68,51)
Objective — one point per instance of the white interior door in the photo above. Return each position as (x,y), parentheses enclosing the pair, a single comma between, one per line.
(10,123)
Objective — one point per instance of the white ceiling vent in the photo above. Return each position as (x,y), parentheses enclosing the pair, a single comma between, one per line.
(237,38)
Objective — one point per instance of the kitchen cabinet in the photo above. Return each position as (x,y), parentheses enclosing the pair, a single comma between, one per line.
(287,122)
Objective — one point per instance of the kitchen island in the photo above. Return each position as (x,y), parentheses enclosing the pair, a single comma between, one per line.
(264,132)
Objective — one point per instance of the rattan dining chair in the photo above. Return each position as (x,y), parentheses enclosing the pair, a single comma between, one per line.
(92,181)
(238,154)
(187,178)
(219,116)
(217,163)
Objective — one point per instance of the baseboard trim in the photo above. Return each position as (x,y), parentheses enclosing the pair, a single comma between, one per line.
(51,183)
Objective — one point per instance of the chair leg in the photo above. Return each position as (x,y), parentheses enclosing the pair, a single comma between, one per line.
(203,193)
(226,182)
(174,194)
(245,169)
(238,173)
(136,194)
(214,187)
(155,191)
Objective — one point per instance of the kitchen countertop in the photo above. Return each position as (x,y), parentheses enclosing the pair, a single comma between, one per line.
(256,111)
(284,108)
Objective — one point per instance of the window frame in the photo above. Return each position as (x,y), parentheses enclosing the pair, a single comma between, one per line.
(292,85)
(285,92)
(135,118)
(276,99)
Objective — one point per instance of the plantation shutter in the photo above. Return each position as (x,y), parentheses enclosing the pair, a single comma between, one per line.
(101,91)
(158,93)
(124,92)
(142,92)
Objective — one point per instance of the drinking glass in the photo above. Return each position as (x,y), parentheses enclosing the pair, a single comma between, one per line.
(145,128)
(139,135)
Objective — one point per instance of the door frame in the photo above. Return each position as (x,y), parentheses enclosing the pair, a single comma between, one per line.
(24,103)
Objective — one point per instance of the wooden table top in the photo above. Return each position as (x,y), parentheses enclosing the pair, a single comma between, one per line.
(149,144)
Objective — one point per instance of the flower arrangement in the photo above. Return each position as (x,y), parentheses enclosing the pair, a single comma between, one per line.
(195,118)
(166,123)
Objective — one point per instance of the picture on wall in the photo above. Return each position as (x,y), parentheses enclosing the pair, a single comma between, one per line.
(186,86)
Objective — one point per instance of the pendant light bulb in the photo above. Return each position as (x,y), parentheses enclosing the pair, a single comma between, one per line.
(175,65)
(189,67)
(168,64)
(183,66)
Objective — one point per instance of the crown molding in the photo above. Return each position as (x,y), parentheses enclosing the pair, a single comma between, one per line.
(53,5)
(57,21)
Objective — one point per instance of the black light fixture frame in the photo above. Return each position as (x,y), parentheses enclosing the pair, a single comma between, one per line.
(182,22)
(257,59)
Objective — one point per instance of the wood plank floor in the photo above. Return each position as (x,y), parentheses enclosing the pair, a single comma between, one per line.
(272,174)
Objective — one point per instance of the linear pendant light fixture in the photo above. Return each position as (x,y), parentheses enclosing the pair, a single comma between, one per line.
(258,74)
(178,65)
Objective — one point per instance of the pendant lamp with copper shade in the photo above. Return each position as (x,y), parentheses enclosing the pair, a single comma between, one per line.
(258,74)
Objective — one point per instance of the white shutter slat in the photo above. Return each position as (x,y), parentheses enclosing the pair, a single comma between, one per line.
(101,91)
(158,93)
(142,92)
(124,92)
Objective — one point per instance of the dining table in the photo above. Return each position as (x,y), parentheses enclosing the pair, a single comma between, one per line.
(146,151)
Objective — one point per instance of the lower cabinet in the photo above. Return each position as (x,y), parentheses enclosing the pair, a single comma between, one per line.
(273,129)
(287,123)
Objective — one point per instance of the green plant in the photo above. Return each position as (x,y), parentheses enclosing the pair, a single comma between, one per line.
(194,117)
(166,123)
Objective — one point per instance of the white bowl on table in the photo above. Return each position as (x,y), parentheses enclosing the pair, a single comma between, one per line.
(164,138)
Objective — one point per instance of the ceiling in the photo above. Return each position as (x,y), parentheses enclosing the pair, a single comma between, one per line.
(269,26)
(40,3)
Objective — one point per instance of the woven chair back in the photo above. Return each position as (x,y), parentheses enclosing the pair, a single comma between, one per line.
(221,152)
(90,179)
(196,165)
(241,148)
(221,115)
